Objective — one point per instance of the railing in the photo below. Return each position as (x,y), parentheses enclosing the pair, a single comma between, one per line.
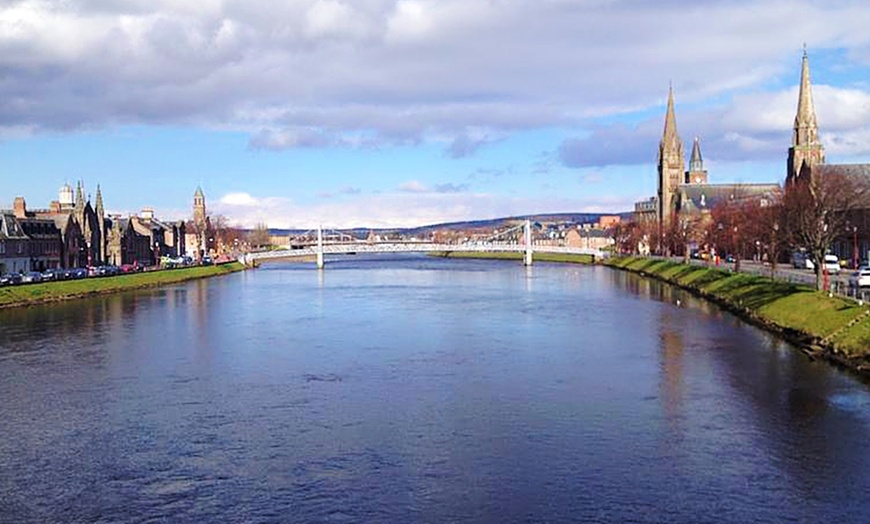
(417,247)
(837,284)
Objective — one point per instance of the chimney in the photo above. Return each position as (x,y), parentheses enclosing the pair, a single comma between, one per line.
(20,207)
(147,213)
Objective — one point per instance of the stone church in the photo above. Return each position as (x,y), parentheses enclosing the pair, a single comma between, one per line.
(806,158)
(686,193)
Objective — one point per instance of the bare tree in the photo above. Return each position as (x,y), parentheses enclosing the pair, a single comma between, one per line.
(259,237)
(816,208)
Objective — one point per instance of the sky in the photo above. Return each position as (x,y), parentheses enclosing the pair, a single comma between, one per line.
(398,113)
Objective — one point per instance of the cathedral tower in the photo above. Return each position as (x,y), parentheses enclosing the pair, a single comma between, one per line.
(199,209)
(671,163)
(805,146)
(101,224)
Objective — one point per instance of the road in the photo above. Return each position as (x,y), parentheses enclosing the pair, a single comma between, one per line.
(839,282)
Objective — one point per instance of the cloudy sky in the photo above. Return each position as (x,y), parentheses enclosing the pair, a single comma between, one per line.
(408,112)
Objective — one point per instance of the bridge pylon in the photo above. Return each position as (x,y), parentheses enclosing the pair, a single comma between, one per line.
(319,251)
(527,234)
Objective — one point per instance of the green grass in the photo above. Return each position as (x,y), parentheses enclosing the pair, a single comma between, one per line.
(510,255)
(840,323)
(24,295)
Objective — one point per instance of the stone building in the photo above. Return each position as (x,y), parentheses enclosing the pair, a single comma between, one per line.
(14,256)
(686,193)
(92,221)
(44,244)
(198,234)
(806,158)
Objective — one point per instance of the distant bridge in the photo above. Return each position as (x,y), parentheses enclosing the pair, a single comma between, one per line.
(344,246)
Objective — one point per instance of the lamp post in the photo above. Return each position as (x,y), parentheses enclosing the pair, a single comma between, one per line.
(685,239)
(736,251)
(774,250)
(854,247)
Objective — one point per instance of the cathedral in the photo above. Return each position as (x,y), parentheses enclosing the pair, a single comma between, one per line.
(686,193)
(806,158)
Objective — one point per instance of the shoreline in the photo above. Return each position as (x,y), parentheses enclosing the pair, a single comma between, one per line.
(833,329)
(19,296)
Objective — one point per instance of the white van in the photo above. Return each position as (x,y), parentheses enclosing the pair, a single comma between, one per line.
(832,264)
(800,260)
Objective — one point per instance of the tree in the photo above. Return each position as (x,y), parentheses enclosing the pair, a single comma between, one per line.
(260,237)
(816,207)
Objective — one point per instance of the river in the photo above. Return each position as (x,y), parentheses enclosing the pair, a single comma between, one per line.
(415,389)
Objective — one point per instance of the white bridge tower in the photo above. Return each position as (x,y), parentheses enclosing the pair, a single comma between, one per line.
(527,254)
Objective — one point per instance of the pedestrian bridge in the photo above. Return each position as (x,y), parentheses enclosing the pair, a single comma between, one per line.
(411,247)
(345,246)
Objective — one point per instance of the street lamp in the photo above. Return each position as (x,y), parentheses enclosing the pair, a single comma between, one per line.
(854,247)
(736,251)
(774,250)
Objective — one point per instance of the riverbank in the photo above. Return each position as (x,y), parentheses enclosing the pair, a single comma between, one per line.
(510,255)
(829,327)
(45,292)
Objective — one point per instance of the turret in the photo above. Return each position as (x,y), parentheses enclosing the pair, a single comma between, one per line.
(696,173)
(65,197)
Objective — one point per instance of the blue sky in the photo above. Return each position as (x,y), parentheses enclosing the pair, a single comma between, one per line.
(408,112)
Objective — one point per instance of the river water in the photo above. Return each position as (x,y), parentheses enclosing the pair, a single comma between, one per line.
(413,389)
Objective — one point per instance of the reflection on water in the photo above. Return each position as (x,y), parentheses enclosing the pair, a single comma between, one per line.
(409,388)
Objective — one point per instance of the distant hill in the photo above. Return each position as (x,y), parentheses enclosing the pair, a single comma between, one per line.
(493,223)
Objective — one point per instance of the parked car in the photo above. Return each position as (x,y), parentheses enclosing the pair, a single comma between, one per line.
(832,264)
(78,272)
(860,278)
(207,261)
(53,274)
(10,279)
(31,277)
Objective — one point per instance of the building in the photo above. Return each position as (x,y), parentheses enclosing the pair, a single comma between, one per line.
(14,253)
(646,211)
(806,158)
(686,194)
(198,235)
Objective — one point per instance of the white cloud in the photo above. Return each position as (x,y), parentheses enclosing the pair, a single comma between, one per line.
(414,186)
(398,70)
(750,126)
(239,199)
(400,209)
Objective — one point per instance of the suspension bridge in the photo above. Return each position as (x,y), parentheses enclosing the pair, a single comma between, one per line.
(339,243)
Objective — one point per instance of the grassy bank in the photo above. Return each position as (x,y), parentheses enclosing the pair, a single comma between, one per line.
(30,294)
(536,257)
(833,327)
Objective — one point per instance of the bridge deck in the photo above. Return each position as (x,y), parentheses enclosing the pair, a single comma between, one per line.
(416,247)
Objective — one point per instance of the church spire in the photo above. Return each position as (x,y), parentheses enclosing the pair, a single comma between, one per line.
(696,173)
(670,134)
(805,127)
(696,163)
(805,150)
(671,163)
(99,204)
(80,199)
